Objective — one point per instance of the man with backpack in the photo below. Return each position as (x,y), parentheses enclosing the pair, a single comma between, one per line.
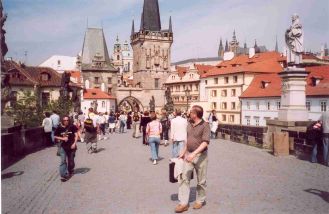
(91,126)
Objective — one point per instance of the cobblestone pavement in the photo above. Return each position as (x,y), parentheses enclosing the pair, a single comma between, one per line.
(121,179)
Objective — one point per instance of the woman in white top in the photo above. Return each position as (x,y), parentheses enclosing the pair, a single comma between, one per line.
(47,127)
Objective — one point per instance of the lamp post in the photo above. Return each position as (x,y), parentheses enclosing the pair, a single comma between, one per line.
(188,96)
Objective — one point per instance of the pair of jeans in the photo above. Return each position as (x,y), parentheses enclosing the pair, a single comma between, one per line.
(154,144)
(67,162)
(122,127)
(177,147)
(314,152)
(165,133)
(325,142)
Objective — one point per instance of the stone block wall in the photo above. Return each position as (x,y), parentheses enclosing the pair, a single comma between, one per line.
(17,142)
(250,135)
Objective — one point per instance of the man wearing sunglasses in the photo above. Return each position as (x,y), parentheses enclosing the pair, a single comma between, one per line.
(66,135)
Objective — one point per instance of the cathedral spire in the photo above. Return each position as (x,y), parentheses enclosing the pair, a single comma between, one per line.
(276,44)
(133,28)
(170,25)
(151,16)
(226,46)
(220,48)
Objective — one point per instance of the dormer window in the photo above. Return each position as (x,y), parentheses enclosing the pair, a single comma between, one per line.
(45,77)
(315,80)
(264,84)
(58,62)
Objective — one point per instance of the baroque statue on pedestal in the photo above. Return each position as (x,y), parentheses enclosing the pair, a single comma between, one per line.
(295,42)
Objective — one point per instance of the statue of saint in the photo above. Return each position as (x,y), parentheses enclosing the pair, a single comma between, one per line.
(295,41)
(152,104)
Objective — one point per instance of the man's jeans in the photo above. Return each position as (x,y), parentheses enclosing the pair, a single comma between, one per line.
(200,164)
(325,142)
(177,147)
(122,127)
(154,144)
(67,162)
(314,152)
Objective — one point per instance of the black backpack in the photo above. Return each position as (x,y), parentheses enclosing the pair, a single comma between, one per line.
(89,125)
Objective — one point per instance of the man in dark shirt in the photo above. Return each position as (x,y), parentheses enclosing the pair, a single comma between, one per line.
(66,135)
(195,154)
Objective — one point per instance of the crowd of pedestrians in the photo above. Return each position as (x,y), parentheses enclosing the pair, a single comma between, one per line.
(189,137)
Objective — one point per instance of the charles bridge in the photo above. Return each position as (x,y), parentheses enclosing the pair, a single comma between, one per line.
(120,178)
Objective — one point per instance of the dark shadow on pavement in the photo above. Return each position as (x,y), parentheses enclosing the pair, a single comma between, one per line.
(81,170)
(100,150)
(159,159)
(323,194)
(174,197)
(11,174)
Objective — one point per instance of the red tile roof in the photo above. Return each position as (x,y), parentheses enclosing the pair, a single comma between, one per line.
(255,90)
(76,75)
(268,62)
(202,69)
(181,70)
(96,93)
(30,75)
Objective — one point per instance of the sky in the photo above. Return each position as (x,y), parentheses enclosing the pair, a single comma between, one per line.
(38,29)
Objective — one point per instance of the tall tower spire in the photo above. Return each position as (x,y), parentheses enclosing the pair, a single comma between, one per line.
(133,28)
(170,25)
(220,48)
(226,46)
(276,44)
(151,16)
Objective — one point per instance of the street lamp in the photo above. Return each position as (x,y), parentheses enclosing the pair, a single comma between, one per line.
(188,97)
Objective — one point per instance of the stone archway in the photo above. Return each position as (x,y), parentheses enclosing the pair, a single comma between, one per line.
(130,104)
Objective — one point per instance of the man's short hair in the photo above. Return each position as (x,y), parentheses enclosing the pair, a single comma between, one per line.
(47,114)
(198,111)
(91,110)
(178,112)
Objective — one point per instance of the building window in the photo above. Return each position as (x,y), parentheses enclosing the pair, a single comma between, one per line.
(226,80)
(224,93)
(109,80)
(248,105)
(233,106)
(224,105)
(196,87)
(156,83)
(214,105)
(278,105)
(13,95)
(45,98)
(248,121)
(308,105)
(172,77)
(177,88)
(118,57)
(223,117)
(96,80)
(109,90)
(103,104)
(257,121)
(214,93)
(232,118)
(268,105)
(323,106)
(206,82)
(235,79)
(233,92)
(216,81)
(45,77)
(257,105)
(191,87)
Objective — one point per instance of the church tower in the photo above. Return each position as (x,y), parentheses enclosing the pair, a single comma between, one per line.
(234,44)
(152,52)
(221,49)
(151,46)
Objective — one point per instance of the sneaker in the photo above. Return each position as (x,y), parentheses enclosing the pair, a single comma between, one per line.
(155,162)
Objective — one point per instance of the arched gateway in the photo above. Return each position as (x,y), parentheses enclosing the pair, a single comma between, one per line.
(130,104)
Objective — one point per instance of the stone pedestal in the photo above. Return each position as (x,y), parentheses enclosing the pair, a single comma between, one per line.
(293,97)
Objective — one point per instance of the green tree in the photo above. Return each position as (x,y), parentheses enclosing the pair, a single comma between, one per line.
(26,111)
